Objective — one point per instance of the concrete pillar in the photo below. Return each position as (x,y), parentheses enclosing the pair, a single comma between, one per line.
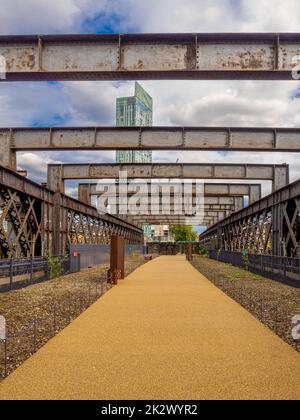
(55,181)
(117,255)
(8,157)
(281,177)
(84,194)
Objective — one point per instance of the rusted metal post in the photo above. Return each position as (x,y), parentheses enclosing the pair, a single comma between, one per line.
(56,243)
(189,252)
(8,156)
(84,194)
(117,255)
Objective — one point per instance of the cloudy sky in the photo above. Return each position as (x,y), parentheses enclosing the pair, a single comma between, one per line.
(230,103)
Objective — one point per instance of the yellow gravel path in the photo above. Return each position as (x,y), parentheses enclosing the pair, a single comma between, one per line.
(164,333)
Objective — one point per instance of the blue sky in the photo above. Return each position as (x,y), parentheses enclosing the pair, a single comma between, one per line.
(231,103)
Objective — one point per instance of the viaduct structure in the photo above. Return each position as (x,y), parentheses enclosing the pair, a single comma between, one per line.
(272,224)
(35,219)
(41,221)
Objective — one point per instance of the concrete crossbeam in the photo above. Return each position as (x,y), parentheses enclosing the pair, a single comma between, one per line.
(57,174)
(150,56)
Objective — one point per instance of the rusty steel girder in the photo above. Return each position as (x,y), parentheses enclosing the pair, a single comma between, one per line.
(13,140)
(150,56)
(57,174)
(156,190)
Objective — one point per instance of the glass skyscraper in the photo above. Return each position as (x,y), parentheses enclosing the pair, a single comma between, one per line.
(135,111)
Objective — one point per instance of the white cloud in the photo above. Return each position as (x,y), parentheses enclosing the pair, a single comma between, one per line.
(44,16)
(24,104)
(211,15)
(36,164)
(36,16)
(94,103)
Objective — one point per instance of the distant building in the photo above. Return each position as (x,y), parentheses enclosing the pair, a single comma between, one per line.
(135,111)
(161,234)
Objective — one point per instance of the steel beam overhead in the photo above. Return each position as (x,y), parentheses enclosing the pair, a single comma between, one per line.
(175,220)
(254,56)
(253,191)
(146,138)
(57,174)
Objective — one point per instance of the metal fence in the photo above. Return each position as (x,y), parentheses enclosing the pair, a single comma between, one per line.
(22,272)
(15,349)
(283,269)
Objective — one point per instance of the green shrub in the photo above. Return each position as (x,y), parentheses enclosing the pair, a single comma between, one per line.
(55,266)
(246,260)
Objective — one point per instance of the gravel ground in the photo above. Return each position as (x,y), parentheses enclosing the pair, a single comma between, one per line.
(54,304)
(166,333)
(273,303)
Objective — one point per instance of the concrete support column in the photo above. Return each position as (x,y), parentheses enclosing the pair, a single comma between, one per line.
(8,157)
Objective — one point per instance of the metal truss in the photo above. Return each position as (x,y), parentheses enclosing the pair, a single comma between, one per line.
(35,221)
(20,224)
(269,226)
(84,229)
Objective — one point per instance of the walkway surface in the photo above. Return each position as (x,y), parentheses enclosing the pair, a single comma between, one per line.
(164,333)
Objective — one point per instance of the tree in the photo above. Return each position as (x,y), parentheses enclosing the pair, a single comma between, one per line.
(184,233)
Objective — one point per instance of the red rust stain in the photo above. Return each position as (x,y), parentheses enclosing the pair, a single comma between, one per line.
(19,60)
(246,60)
(190,57)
